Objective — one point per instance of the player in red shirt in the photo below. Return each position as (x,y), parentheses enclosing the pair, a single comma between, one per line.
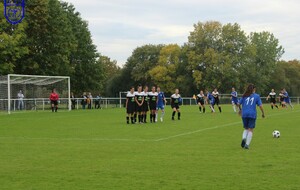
(54,100)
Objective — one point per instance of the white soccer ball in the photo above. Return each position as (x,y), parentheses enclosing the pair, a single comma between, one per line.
(276,134)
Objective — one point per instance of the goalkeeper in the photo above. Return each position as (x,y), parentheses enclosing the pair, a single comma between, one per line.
(54,100)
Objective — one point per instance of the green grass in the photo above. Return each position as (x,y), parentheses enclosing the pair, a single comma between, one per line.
(95,149)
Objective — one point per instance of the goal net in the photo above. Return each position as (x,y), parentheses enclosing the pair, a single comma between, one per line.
(31,92)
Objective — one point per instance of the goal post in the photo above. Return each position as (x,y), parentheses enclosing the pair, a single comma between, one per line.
(31,92)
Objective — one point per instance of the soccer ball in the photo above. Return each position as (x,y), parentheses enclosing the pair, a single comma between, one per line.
(276,134)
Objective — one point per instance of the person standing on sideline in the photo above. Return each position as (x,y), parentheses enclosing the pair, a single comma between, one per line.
(201,101)
(161,102)
(54,100)
(175,101)
(20,100)
(234,99)
(73,101)
(90,100)
(272,96)
(97,101)
(83,100)
(249,101)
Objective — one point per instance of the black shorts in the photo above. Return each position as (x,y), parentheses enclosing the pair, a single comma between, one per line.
(152,105)
(217,101)
(200,101)
(175,106)
(55,102)
(273,100)
(138,108)
(145,106)
(130,108)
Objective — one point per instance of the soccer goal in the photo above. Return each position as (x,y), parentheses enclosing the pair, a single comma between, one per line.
(31,92)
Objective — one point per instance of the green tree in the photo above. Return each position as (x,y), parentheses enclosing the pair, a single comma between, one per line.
(11,48)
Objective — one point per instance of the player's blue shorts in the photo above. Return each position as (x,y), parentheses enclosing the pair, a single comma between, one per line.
(287,100)
(249,122)
(160,106)
(234,101)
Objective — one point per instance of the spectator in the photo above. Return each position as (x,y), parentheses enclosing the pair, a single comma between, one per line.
(90,101)
(84,100)
(73,101)
(20,100)
(98,101)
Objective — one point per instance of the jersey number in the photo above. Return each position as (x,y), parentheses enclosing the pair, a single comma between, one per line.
(251,100)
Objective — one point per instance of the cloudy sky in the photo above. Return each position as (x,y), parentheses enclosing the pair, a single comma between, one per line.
(119,26)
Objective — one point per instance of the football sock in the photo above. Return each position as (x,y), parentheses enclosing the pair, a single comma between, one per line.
(145,118)
(203,110)
(127,119)
(56,109)
(52,109)
(151,117)
(178,115)
(132,121)
(234,108)
(249,137)
(245,132)
(139,118)
(212,108)
(162,114)
(173,114)
(272,107)
(200,109)
(135,115)
(276,106)
(156,116)
(220,109)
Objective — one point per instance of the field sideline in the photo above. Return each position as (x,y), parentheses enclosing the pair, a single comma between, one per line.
(96,149)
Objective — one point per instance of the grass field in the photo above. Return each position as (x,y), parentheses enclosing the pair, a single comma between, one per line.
(95,149)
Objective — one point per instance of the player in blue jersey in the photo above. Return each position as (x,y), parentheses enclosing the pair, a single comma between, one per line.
(287,99)
(234,99)
(210,100)
(161,102)
(247,106)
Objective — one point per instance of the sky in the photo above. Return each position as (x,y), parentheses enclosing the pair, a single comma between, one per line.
(120,26)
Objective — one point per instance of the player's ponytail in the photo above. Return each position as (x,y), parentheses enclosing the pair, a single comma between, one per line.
(249,90)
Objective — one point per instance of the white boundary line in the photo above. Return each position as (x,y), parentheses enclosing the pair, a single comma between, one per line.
(142,140)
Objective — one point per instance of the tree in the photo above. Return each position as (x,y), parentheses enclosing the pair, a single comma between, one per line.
(11,40)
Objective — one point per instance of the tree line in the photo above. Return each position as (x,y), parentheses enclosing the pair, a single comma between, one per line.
(215,56)
(53,39)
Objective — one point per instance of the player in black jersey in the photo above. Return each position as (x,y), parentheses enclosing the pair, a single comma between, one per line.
(139,99)
(152,103)
(175,101)
(272,97)
(145,108)
(281,99)
(216,95)
(130,105)
(201,101)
